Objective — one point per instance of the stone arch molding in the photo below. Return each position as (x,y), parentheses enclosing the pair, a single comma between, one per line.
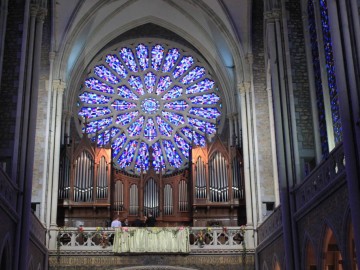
(86,35)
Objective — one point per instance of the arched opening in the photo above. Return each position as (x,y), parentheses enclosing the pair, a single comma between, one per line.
(332,259)
(310,259)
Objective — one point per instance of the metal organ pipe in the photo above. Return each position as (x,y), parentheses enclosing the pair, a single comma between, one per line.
(134,200)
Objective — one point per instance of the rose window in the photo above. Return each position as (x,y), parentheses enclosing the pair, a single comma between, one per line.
(149,99)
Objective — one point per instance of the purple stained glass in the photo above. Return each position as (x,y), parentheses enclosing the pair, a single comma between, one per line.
(182,145)
(143,56)
(157,54)
(136,127)
(183,66)
(204,85)
(136,84)
(209,113)
(171,57)
(205,99)
(126,118)
(92,112)
(127,155)
(92,98)
(164,128)
(142,158)
(150,80)
(118,144)
(194,75)
(172,155)
(178,105)
(163,84)
(150,131)
(149,106)
(104,73)
(116,65)
(174,118)
(173,93)
(95,84)
(125,92)
(128,57)
(121,105)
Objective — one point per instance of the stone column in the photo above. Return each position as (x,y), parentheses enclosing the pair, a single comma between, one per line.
(248,188)
(59,88)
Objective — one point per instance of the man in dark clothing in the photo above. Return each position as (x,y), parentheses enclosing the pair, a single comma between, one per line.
(151,220)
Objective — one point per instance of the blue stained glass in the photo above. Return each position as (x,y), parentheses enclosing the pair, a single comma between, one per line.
(157,54)
(203,126)
(126,118)
(127,155)
(164,105)
(174,118)
(204,85)
(317,77)
(136,84)
(116,65)
(136,127)
(127,93)
(143,56)
(209,113)
(164,128)
(121,105)
(118,144)
(150,80)
(105,74)
(163,84)
(104,137)
(171,154)
(173,93)
(150,105)
(193,136)
(194,75)
(183,66)
(150,131)
(142,158)
(95,84)
(128,58)
(158,157)
(96,125)
(182,145)
(171,57)
(330,67)
(92,112)
(178,105)
(92,98)
(205,99)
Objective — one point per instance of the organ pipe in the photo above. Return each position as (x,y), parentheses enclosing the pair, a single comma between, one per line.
(151,197)
(219,185)
(134,200)
(168,200)
(102,180)
(84,173)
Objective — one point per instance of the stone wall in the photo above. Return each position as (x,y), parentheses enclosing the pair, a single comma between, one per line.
(300,84)
(262,107)
(10,80)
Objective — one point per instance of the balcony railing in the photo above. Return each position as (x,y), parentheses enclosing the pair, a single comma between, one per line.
(323,176)
(86,240)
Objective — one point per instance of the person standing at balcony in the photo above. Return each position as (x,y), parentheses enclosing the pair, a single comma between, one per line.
(150,221)
(116,223)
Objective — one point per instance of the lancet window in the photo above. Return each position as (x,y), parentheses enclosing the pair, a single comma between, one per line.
(330,127)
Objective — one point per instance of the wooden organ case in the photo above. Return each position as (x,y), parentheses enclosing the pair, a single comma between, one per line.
(209,192)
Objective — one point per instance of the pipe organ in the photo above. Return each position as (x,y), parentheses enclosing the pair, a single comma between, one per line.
(210,191)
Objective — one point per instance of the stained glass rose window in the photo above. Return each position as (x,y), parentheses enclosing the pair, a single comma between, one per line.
(149,98)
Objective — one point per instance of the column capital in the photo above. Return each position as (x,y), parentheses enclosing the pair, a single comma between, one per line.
(59,86)
(40,16)
(272,15)
(244,87)
(34,8)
